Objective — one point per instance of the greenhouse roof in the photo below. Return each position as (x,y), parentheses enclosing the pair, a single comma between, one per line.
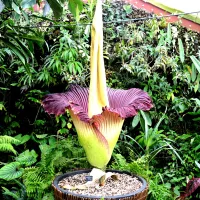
(163,7)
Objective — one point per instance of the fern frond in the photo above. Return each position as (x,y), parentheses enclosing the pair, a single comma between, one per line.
(59,163)
(119,162)
(33,189)
(37,188)
(8,139)
(6,147)
(6,143)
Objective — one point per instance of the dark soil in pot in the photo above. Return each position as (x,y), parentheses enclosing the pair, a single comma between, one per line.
(127,186)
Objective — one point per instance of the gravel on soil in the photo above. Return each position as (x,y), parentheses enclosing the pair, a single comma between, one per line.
(125,184)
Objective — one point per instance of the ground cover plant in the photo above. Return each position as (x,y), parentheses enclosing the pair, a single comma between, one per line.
(161,145)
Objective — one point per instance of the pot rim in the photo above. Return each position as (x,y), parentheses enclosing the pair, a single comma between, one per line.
(60,177)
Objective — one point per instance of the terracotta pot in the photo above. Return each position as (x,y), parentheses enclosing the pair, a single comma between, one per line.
(61,194)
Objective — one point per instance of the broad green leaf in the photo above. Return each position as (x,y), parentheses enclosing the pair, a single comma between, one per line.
(23,139)
(41,136)
(75,7)
(136,120)
(185,136)
(197,164)
(198,146)
(56,7)
(194,113)
(176,191)
(52,141)
(2,107)
(11,171)
(2,88)
(128,9)
(34,99)
(27,158)
(63,131)
(25,16)
(196,63)
(194,73)
(181,50)
(16,8)
(146,117)
(196,87)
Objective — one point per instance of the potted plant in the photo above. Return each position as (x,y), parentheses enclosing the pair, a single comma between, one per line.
(98,114)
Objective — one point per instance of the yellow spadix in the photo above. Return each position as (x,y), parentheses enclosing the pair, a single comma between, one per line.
(98,97)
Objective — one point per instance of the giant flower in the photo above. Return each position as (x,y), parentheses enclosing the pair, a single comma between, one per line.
(98,113)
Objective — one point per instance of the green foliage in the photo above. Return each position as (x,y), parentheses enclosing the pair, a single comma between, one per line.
(27,158)
(9,193)
(60,156)
(6,144)
(18,43)
(157,190)
(68,56)
(11,171)
(136,166)
(160,191)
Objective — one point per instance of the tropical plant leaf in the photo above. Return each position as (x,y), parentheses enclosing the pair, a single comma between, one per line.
(181,50)
(41,136)
(197,164)
(11,171)
(196,63)
(136,120)
(194,73)
(75,7)
(23,139)
(56,7)
(27,158)
(146,117)
(16,8)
